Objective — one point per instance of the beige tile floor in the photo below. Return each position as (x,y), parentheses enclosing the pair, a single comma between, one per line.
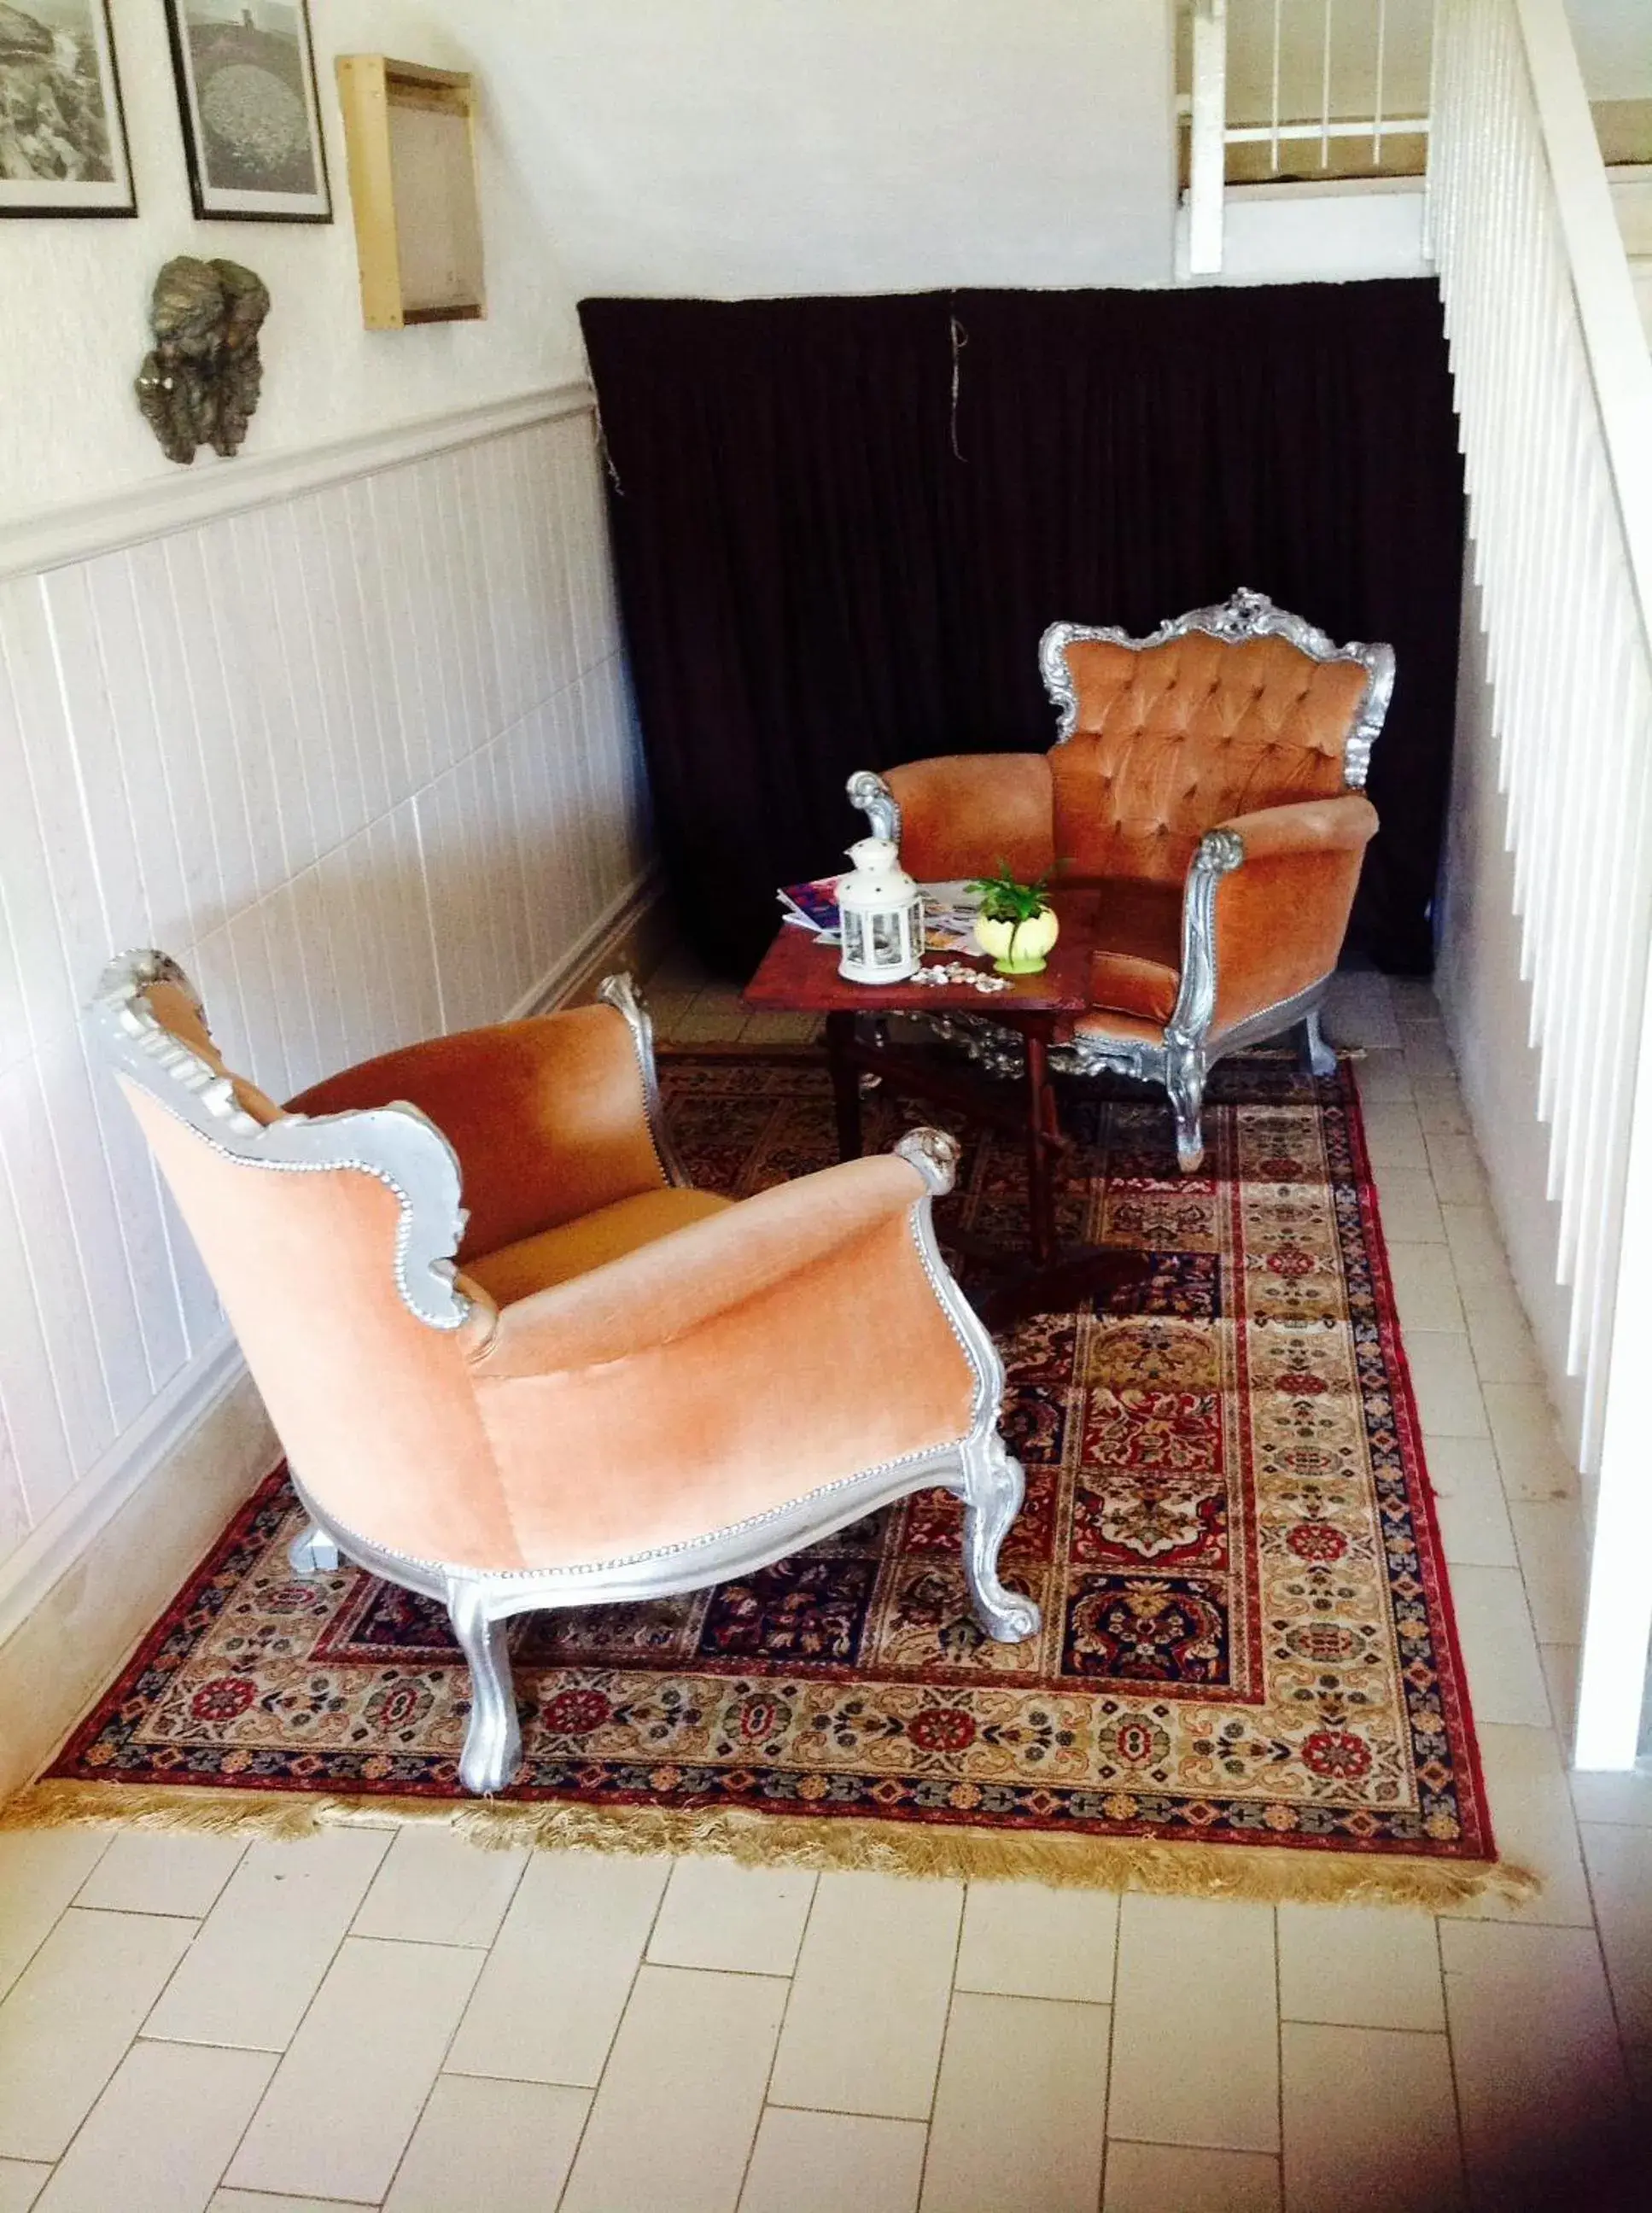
(397,2019)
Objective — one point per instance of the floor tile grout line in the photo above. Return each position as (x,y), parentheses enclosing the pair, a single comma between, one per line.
(332,1961)
(1113,2039)
(774,2055)
(1387,2028)
(614,2039)
(791,1991)
(109,1847)
(140,1913)
(1451,2060)
(859,2113)
(1176,2143)
(1276,2159)
(459,2022)
(131,2044)
(940,2054)
(319,2197)
(69,1905)
(1599,1945)
(408,1829)
(703,1967)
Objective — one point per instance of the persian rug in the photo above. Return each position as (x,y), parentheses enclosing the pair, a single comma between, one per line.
(1248,1679)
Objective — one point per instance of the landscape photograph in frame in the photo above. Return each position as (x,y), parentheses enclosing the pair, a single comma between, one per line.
(63,135)
(247,94)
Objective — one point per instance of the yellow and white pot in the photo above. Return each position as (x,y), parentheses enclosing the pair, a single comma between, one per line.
(1018,948)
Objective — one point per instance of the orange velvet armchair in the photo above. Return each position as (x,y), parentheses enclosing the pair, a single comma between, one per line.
(587,1381)
(1207,779)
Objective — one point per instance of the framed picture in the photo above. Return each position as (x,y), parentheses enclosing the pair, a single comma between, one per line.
(63,135)
(252,126)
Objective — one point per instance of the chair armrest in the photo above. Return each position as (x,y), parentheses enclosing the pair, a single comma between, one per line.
(747,1360)
(1284,880)
(550,1118)
(1344,824)
(961,815)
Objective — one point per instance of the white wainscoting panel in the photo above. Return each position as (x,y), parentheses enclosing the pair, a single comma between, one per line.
(364,759)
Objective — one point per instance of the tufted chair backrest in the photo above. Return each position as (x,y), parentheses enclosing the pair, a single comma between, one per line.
(1168,739)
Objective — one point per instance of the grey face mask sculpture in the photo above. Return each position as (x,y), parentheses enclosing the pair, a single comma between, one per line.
(201,385)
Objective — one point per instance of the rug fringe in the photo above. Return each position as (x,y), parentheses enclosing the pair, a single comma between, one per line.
(1268,1873)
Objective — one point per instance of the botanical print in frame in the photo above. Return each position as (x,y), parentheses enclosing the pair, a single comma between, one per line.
(246,75)
(63,135)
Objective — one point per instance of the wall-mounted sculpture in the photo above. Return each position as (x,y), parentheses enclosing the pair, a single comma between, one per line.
(201,385)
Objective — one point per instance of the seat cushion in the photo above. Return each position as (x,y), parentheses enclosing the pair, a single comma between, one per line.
(1136,967)
(574,1249)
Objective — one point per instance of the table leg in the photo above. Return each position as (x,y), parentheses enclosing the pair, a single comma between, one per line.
(1041,1126)
(846,1084)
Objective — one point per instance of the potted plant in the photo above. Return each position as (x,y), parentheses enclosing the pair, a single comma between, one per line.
(1016,925)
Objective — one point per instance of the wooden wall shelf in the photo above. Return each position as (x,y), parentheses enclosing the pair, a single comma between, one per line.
(410,132)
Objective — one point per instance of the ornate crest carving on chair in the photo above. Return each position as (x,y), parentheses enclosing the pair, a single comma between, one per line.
(1208,779)
(599,1384)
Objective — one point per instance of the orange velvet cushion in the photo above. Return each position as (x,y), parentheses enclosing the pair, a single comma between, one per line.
(1136,967)
(1126,983)
(574,1249)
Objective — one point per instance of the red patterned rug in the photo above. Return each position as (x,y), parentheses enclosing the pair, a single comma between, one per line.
(1248,1640)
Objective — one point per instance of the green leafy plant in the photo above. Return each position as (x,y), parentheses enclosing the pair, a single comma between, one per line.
(1004,898)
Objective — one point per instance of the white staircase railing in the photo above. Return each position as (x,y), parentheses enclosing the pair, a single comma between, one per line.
(1554,391)
(1334,101)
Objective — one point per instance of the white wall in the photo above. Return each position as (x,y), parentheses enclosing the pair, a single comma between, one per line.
(363,760)
(1334,232)
(74,295)
(1614,46)
(717,147)
(1487,1009)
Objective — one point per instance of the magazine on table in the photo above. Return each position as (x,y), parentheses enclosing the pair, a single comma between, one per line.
(814,905)
(949,912)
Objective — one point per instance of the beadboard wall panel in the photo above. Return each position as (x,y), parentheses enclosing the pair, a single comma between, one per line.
(364,759)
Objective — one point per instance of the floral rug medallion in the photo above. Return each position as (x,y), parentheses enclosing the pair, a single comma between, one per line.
(1248,1638)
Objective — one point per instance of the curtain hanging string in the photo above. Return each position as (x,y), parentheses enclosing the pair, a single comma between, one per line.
(960,340)
(602,448)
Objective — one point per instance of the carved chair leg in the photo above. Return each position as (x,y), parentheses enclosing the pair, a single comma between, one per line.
(1185,1080)
(314,1553)
(493,1742)
(1320,1056)
(993,1490)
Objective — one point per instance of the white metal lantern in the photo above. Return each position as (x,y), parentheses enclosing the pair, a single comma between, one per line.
(883,913)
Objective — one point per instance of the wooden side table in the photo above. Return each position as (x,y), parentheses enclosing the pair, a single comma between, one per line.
(799,975)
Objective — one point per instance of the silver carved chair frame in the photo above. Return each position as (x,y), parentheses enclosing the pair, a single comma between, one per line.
(406,1150)
(1191,1047)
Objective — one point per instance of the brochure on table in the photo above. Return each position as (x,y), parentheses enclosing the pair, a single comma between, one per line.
(949,912)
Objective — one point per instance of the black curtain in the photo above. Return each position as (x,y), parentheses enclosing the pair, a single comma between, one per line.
(842,524)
